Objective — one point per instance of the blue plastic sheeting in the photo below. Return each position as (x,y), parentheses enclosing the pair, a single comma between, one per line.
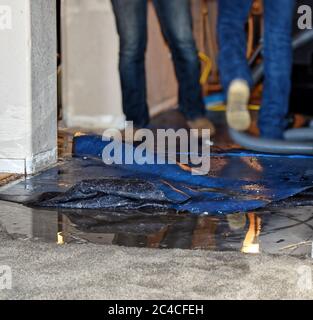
(234,183)
(237,182)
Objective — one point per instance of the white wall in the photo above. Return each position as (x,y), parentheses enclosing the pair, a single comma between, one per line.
(28,122)
(90,50)
(91,86)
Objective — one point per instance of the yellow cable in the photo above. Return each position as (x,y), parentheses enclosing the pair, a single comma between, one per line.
(222,108)
(207,69)
(204,78)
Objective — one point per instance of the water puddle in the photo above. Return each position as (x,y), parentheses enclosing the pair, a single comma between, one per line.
(284,228)
(275,231)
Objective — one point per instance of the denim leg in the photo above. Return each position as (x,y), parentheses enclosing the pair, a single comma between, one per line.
(278,66)
(176,21)
(232,18)
(131,20)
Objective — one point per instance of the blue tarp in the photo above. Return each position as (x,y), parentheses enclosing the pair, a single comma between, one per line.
(237,182)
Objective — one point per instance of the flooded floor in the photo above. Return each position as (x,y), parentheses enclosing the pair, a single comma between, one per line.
(275,230)
(283,228)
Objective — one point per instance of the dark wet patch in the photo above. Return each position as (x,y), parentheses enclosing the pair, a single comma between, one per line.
(254,232)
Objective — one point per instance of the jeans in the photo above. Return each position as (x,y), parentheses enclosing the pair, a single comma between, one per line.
(176,23)
(233,15)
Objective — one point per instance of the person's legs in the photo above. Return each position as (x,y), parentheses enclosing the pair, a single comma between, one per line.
(176,22)
(278,66)
(131,20)
(234,69)
(233,64)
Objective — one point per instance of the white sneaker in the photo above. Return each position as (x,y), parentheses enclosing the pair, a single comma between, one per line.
(237,113)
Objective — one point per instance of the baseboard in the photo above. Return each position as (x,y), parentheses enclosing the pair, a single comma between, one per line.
(31,165)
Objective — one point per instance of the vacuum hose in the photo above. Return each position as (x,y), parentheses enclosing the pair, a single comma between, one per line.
(301,134)
(297,141)
(299,40)
(272,146)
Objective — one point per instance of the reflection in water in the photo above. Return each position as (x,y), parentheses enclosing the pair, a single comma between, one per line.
(275,231)
(251,243)
(204,233)
(237,231)
(60,238)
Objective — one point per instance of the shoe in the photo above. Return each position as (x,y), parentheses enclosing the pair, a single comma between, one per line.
(237,113)
(202,123)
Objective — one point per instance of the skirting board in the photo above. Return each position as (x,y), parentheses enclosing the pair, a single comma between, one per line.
(31,165)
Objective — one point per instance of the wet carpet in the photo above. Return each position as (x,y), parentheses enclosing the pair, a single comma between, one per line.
(48,271)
